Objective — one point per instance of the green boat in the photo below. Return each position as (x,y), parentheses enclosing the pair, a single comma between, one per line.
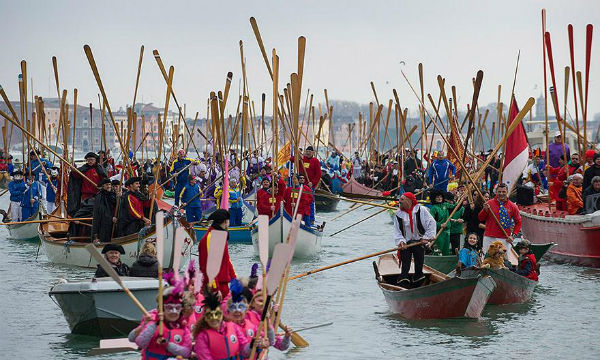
(169,194)
(447,264)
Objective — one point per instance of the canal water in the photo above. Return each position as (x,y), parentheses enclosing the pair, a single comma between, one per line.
(561,321)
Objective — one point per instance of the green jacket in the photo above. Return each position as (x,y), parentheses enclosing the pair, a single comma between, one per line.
(455,227)
(440,214)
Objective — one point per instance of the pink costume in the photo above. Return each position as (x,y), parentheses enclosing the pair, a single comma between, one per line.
(226,343)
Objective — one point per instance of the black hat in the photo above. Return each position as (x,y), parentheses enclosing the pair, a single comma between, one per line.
(219,215)
(131,180)
(103,181)
(309,148)
(91,155)
(596,156)
(115,182)
(16,172)
(116,247)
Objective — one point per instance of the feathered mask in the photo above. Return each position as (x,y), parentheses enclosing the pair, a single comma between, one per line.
(236,288)
(211,300)
(174,293)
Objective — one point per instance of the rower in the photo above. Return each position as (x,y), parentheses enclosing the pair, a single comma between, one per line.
(80,188)
(131,213)
(266,203)
(412,224)
(506,212)
(37,168)
(16,188)
(31,198)
(440,172)
(52,186)
(104,209)
(292,196)
(182,178)
(190,199)
(220,221)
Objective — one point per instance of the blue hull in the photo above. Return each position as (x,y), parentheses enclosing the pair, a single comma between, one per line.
(237,234)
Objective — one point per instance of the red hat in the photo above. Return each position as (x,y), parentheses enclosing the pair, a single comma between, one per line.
(590,154)
(411,196)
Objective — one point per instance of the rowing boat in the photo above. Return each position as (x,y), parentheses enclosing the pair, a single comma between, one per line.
(63,249)
(440,296)
(308,243)
(26,232)
(100,307)
(326,201)
(578,236)
(511,288)
(355,189)
(236,234)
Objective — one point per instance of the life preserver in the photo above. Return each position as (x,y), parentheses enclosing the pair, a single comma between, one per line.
(224,346)
(250,329)
(156,351)
(530,258)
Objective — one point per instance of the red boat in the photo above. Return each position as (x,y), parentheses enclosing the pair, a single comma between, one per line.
(353,187)
(440,296)
(577,236)
(511,288)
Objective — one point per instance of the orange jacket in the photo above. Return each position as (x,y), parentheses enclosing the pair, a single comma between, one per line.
(574,199)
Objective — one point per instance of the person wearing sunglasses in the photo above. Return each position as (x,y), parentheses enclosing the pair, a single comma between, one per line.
(174,340)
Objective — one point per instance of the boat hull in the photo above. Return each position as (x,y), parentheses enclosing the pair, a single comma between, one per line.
(26,232)
(325,204)
(308,242)
(237,234)
(74,253)
(577,236)
(356,188)
(511,288)
(101,308)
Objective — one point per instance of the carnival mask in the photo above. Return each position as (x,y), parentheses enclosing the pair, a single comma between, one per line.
(239,306)
(214,315)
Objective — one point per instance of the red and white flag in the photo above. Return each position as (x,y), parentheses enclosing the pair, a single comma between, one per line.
(516,151)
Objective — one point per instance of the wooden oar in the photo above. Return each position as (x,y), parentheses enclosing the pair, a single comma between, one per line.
(160,253)
(218,240)
(3,192)
(113,274)
(43,221)
(177,245)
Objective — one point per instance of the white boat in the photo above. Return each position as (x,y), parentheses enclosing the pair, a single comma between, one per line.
(99,307)
(28,232)
(308,243)
(61,249)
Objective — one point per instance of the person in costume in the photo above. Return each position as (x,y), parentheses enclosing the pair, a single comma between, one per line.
(220,221)
(266,202)
(470,255)
(457,224)
(412,224)
(131,213)
(527,263)
(32,196)
(104,210)
(38,164)
(439,211)
(16,188)
(292,197)
(190,199)
(235,203)
(112,253)
(182,178)
(52,187)
(216,339)
(175,340)
(440,172)
(504,210)
(79,188)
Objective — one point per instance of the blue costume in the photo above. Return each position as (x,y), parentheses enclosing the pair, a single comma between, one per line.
(468,257)
(182,178)
(193,209)
(17,189)
(34,191)
(235,207)
(439,172)
(36,168)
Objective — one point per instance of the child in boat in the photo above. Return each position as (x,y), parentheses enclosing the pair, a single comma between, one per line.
(470,255)
(527,263)
(175,340)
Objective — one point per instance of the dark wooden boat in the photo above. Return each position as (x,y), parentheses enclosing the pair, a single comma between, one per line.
(326,201)
(440,296)
(578,236)
(511,288)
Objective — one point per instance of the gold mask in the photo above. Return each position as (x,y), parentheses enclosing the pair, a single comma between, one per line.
(214,314)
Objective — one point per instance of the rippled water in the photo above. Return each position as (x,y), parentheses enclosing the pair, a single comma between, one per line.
(561,321)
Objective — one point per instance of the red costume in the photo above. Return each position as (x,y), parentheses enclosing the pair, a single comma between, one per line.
(311,168)
(88,189)
(136,206)
(290,198)
(491,226)
(529,258)
(264,199)
(226,272)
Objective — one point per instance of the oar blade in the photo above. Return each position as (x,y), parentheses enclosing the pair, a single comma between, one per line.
(177,246)
(263,238)
(113,346)
(293,235)
(160,236)
(103,263)
(218,241)
(281,255)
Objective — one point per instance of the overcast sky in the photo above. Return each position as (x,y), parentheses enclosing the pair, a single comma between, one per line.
(349,44)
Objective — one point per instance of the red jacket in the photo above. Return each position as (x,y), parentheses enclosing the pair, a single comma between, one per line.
(290,198)
(491,227)
(263,202)
(88,189)
(529,258)
(311,168)
(136,206)
(226,272)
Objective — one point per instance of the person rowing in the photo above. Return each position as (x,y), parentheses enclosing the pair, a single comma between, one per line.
(412,224)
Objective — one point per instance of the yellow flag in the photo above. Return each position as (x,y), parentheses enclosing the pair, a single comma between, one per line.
(284,154)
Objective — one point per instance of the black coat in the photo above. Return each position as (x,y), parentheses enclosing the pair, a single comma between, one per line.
(74,187)
(126,223)
(472,221)
(104,209)
(589,174)
(121,269)
(86,210)
(145,266)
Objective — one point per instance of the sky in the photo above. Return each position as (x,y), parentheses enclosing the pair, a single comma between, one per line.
(349,44)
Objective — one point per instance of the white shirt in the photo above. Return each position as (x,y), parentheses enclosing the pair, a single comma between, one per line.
(426,219)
